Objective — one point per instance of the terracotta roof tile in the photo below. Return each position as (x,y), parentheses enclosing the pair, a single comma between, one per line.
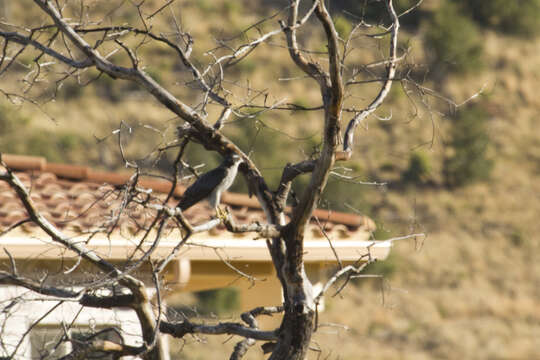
(49,190)
(68,171)
(13,216)
(12,206)
(107,177)
(62,209)
(35,196)
(24,162)
(77,189)
(44,179)
(58,198)
(77,198)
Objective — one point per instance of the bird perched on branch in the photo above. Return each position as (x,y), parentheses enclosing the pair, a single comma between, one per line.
(211,185)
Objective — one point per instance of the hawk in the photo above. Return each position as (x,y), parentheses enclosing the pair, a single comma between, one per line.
(211,184)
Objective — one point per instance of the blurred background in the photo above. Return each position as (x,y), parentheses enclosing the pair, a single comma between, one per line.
(466,176)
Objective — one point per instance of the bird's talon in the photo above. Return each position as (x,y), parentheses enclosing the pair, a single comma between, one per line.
(221,214)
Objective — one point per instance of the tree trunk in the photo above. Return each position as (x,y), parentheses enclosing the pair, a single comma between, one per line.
(295,335)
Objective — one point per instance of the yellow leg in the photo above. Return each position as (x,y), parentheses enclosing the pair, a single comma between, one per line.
(222,214)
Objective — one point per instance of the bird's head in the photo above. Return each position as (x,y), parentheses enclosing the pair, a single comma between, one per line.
(233,159)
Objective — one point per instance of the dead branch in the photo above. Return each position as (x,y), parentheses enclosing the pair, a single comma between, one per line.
(141,303)
(179,330)
(285,241)
(290,172)
(46,226)
(348,140)
(182,54)
(336,80)
(311,69)
(249,317)
(88,348)
(265,231)
(65,294)
(346,271)
(205,132)
(27,40)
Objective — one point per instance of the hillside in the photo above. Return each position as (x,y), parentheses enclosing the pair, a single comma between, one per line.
(470,289)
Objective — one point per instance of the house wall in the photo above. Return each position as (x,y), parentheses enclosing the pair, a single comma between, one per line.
(27,308)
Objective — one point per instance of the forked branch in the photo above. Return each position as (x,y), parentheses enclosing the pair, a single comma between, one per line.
(348,141)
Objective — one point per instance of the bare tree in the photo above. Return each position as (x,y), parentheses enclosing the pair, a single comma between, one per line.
(74,46)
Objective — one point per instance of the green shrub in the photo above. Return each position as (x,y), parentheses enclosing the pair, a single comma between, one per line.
(467,161)
(343,26)
(342,195)
(206,5)
(70,90)
(219,301)
(10,121)
(12,125)
(381,231)
(155,73)
(375,11)
(255,137)
(247,67)
(385,268)
(231,7)
(106,87)
(516,17)
(453,42)
(301,103)
(69,142)
(418,170)
(56,147)
(517,238)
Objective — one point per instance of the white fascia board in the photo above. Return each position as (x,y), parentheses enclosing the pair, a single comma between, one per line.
(199,248)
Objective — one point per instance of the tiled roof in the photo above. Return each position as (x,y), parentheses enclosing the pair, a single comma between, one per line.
(78,199)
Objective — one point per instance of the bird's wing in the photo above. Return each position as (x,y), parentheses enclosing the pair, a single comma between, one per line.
(202,188)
